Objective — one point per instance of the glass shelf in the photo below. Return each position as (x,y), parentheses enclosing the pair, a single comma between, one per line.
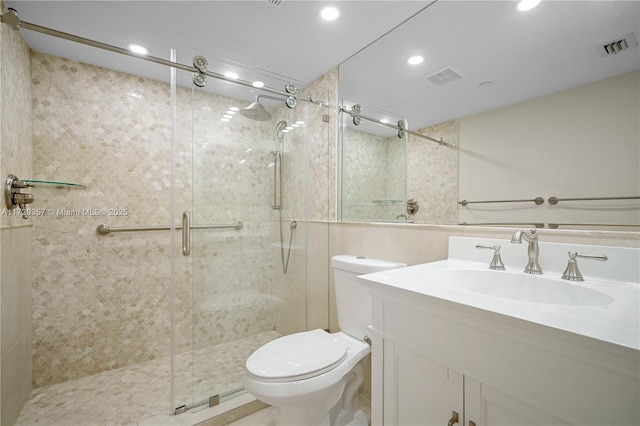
(53,184)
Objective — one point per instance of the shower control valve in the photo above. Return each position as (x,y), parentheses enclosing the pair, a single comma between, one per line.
(13,197)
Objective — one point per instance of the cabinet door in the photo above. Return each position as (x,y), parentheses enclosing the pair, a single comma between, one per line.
(486,406)
(419,391)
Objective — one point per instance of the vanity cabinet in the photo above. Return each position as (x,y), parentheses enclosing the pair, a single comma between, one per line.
(420,391)
(432,357)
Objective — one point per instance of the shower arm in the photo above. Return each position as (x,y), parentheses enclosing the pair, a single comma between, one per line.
(11,19)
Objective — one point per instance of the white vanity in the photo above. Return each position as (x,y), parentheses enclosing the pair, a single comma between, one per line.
(457,343)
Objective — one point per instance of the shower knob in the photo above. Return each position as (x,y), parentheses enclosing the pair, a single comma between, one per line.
(412,206)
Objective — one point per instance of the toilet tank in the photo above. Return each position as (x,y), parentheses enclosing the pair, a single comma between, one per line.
(353,302)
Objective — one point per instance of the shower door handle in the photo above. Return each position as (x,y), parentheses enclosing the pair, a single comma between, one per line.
(186,233)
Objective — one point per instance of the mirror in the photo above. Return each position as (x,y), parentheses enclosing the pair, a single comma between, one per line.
(542,104)
(373,167)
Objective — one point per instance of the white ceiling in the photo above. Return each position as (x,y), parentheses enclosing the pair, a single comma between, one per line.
(525,55)
(287,40)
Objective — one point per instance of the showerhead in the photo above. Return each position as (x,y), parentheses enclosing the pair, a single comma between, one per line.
(256,111)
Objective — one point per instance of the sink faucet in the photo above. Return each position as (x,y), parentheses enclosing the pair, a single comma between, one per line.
(533,250)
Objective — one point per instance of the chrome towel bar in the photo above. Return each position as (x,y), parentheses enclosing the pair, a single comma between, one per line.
(554,200)
(105,229)
(537,200)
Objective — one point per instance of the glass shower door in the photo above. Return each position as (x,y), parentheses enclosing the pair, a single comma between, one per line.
(249,221)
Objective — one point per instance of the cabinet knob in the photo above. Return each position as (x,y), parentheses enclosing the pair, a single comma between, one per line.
(454,419)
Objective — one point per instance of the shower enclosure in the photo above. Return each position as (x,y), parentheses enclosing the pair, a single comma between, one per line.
(153,284)
(250,164)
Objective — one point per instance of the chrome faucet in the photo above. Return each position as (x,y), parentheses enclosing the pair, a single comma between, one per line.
(533,250)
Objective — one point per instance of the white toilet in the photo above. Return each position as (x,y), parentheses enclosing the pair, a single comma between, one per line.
(313,377)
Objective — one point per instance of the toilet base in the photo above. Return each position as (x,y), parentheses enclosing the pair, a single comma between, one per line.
(358,419)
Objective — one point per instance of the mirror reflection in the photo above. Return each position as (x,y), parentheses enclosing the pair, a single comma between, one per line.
(543,103)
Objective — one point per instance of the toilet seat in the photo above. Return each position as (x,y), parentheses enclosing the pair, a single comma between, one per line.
(297,356)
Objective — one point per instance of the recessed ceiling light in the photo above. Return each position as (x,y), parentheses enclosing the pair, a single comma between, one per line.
(231,74)
(524,5)
(329,12)
(234,109)
(137,48)
(415,60)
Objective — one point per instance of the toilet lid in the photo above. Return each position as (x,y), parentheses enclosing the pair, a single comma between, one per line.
(299,355)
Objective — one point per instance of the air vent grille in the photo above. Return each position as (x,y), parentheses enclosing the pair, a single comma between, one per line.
(623,43)
(445,76)
(275,2)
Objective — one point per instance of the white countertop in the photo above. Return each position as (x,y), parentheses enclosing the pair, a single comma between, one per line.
(614,319)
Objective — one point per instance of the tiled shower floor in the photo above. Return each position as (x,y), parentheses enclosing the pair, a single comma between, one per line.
(131,394)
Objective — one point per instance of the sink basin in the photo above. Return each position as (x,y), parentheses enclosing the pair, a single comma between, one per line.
(520,287)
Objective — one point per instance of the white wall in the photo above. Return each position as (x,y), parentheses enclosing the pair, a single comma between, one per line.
(582,142)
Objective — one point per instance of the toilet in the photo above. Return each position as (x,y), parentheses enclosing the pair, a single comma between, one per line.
(313,377)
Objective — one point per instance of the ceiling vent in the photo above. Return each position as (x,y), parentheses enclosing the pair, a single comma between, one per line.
(445,76)
(275,2)
(625,42)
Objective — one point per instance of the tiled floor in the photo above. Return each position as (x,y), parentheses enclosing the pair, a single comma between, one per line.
(137,392)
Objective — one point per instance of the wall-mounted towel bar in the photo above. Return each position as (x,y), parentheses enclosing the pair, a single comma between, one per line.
(542,225)
(537,225)
(554,200)
(558,225)
(537,200)
(104,229)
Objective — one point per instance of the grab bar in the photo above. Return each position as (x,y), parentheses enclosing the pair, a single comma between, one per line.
(537,200)
(554,200)
(105,229)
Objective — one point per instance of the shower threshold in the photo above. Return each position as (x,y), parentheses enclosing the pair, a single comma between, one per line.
(131,394)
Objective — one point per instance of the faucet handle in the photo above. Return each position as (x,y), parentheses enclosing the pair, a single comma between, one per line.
(572,273)
(496,262)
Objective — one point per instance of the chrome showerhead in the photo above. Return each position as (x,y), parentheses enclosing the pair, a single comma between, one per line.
(256,111)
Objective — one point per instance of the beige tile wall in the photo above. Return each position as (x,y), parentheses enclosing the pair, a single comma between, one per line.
(15,232)
(102,302)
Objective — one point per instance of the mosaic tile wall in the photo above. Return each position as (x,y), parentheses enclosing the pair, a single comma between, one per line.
(433,174)
(102,302)
(15,232)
